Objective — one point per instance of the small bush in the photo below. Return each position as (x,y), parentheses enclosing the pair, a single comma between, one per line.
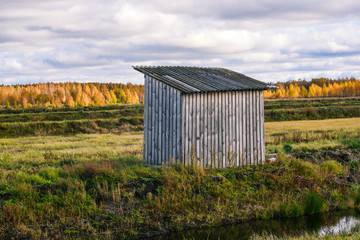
(291,209)
(356,196)
(287,147)
(313,203)
(305,169)
(352,143)
(331,166)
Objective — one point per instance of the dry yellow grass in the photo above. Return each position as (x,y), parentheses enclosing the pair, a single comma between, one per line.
(346,124)
(89,146)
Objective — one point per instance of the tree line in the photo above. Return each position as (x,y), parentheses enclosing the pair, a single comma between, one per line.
(317,87)
(70,94)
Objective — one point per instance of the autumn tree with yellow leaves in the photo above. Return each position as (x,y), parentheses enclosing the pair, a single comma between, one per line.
(99,94)
(318,87)
(70,94)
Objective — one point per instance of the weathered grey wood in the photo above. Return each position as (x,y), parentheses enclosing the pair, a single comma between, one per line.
(167,124)
(213,127)
(215,148)
(179,126)
(258,143)
(201,128)
(246,127)
(197,124)
(153,103)
(187,118)
(239,129)
(223,128)
(208,123)
(183,117)
(262,128)
(238,123)
(159,158)
(146,107)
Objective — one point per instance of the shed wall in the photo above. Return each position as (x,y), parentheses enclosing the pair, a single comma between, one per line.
(219,129)
(162,123)
(223,129)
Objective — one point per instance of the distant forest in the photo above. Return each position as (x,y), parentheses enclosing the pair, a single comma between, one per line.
(70,94)
(101,94)
(317,87)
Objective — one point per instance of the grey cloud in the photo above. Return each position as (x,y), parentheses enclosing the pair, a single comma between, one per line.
(100,40)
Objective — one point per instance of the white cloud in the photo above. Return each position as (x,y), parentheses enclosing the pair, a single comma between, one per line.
(99,40)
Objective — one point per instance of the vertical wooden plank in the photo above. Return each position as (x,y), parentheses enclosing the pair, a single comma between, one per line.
(213,125)
(167,125)
(257,107)
(156,123)
(183,128)
(187,156)
(174,125)
(171,123)
(230,126)
(146,124)
(251,105)
(201,125)
(246,127)
(178,126)
(205,127)
(190,130)
(240,127)
(194,124)
(210,122)
(236,124)
(262,128)
(223,127)
(215,148)
(226,127)
(160,160)
(153,103)
(251,129)
(219,157)
(163,141)
(255,138)
(198,125)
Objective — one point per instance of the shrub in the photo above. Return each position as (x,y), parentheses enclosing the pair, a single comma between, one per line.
(305,169)
(356,195)
(353,142)
(332,166)
(287,147)
(313,203)
(291,209)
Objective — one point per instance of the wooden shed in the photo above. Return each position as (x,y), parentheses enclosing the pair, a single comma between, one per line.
(212,116)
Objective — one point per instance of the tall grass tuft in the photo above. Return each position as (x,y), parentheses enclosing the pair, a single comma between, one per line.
(291,209)
(313,202)
(356,196)
(306,169)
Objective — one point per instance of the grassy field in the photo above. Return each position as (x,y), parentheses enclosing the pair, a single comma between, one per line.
(96,185)
(125,118)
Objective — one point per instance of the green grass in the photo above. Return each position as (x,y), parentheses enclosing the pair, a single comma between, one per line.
(96,185)
(313,135)
(57,121)
(90,180)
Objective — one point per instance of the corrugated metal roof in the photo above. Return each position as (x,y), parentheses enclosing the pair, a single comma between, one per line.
(200,79)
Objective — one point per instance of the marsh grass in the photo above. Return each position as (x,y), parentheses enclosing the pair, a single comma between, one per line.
(97,185)
(312,136)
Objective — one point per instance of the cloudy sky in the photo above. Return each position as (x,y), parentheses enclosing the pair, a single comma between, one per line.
(98,40)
